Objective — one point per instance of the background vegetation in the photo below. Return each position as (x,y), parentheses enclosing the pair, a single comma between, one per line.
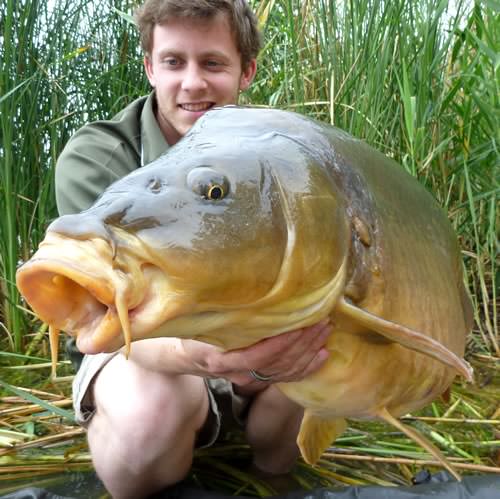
(417,79)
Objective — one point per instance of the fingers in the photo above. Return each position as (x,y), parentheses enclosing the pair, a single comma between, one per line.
(265,352)
(312,353)
(305,357)
(276,349)
(318,360)
(286,357)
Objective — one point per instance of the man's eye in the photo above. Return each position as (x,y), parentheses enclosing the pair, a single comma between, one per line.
(171,61)
(213,64)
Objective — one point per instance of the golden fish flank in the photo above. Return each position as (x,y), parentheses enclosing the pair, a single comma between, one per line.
(232,241)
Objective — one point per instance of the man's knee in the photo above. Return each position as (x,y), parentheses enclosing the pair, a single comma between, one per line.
(144,413)
(272,405)
(272,428)
(127,392)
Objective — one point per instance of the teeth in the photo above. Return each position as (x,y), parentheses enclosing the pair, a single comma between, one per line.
(202,106)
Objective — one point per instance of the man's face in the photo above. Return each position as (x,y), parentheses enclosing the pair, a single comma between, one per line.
(194,65)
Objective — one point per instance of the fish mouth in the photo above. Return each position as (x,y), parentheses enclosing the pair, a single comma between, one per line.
(73,301)
(82,288)
(69,285)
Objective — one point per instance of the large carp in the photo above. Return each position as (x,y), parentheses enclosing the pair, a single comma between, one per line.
(260,222)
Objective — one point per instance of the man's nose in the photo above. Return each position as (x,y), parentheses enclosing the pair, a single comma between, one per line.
(193,78)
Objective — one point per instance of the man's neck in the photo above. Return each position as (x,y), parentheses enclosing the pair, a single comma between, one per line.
(171,135)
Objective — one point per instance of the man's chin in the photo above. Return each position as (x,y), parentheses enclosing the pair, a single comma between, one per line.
(176,126)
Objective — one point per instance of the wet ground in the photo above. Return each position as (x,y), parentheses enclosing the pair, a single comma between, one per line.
(75,485)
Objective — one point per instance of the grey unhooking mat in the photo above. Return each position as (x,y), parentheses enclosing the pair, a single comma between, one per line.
(440,486)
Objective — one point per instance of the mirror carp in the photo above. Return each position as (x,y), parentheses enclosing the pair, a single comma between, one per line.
(258,222)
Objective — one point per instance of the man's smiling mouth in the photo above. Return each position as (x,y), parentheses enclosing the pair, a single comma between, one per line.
(197,107)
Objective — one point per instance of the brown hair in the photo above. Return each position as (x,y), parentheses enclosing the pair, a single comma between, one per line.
(242,21)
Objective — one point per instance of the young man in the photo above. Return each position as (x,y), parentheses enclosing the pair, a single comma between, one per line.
(145,415)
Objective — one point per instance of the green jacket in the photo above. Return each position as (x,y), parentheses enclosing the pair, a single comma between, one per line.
(103,151)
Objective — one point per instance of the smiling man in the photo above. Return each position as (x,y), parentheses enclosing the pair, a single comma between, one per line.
(145,415)
(191,75)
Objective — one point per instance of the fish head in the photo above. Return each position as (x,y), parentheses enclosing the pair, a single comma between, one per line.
(237,227)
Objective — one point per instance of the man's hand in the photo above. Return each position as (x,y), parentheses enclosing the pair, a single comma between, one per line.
(287,357)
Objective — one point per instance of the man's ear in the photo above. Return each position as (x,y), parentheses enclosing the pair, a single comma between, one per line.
(148,67)
(248,74)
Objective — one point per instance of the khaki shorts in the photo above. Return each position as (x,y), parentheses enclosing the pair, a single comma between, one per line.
(227,409)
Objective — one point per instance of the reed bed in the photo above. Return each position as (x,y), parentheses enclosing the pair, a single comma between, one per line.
(39,440)
(416,79)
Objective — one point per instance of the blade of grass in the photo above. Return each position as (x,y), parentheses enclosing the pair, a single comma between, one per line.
(35,400)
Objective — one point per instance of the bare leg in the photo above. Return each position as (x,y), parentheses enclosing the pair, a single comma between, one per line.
(143,433)
(272,428)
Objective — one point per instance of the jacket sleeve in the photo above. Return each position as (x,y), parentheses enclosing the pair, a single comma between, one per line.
(95,157)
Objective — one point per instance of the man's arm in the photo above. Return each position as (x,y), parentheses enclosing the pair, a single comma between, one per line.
(93,159)
(287,357)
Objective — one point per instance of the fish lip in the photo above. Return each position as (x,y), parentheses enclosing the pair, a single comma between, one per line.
(55,296)
(77,302)
(83,287)
(100,288)
(84,303)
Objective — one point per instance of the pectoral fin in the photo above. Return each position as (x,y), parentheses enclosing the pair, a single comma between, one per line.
(419,439)
(407,337)
(317,434)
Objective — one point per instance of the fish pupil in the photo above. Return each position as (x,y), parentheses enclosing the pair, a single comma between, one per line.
(215,192)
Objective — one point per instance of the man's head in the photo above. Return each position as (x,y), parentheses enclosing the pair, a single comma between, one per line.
(199,54)
(242,21)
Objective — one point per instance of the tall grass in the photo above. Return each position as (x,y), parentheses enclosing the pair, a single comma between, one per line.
(419,81)
(59,68)
(413,78)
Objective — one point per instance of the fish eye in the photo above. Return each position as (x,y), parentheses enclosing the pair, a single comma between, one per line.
(215,192)
(208,183)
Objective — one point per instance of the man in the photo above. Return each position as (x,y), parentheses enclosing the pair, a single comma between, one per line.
(145,415)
